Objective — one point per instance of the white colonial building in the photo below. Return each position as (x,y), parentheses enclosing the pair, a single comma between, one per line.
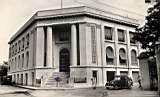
(76,46)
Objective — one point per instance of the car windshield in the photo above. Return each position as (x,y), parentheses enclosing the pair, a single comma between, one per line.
(117,78)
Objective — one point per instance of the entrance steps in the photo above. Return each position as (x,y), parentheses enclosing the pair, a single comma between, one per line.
(58,79)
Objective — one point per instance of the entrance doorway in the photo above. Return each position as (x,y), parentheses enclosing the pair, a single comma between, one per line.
(110,75)
(64,61)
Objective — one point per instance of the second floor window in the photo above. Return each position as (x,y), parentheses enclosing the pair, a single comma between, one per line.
(23,41)
(12,50)
(132,40)
(108,33)
(27,40)
(63,36)
(121,35)
(19,46)
(16,48)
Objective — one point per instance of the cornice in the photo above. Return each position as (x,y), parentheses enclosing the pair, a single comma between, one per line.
(81,11)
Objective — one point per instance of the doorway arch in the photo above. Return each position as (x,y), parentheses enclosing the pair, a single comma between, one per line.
(64,60)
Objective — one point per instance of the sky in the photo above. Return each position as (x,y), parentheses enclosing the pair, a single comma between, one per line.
(14,13)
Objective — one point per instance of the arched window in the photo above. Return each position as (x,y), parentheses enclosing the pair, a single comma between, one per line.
(133,57)
(122,56)
(109,56)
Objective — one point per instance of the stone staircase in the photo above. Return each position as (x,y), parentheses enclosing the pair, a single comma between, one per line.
(61,77)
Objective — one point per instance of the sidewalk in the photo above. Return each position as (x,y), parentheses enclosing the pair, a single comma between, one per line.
(10,89)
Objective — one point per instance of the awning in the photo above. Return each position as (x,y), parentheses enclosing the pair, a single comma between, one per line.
(122,56)
(109,54)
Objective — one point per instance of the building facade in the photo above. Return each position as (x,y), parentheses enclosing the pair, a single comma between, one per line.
(78,46)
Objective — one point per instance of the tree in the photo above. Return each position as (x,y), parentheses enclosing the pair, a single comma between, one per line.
(149,34)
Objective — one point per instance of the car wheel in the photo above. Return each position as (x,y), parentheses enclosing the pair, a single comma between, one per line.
(116,87)
(129,87)
(107,88)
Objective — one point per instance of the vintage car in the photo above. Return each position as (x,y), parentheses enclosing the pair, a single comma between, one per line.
(120,82)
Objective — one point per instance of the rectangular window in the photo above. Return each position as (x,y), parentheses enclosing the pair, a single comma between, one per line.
(26,78)
(14,77)
(15,48)
(93,44)
(27,41)
(22,60)
(27,59)
(19,61)
(9,52)
(108,33)
(23,42)
(110,75)
(19,45)
(121,35)
(12,50)
(33,77)
(12,65)
(21,79)
(17,78)
(64,36)
(15,63)
(132,40)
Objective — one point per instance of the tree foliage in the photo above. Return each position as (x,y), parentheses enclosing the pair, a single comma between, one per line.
(149,34)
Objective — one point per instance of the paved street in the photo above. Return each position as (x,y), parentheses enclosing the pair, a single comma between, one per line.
(8,91)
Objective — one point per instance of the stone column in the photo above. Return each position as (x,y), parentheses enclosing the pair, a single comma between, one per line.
(49,46)
(73,45)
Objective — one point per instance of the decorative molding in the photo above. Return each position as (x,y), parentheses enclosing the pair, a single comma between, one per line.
(73,13)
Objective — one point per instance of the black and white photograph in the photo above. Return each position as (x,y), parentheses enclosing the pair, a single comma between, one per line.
(80,48)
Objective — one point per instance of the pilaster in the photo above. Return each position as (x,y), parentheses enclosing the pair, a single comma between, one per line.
(116,50)
(39,47)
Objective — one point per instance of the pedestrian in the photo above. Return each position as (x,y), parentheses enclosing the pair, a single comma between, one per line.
(94,82)
(139,81)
